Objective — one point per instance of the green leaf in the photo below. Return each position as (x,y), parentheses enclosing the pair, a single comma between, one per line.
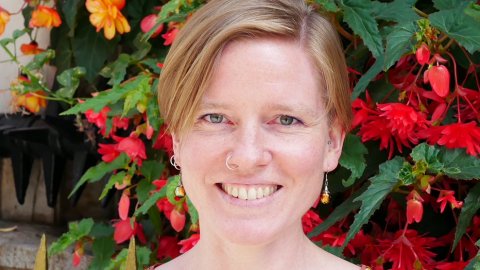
(103,249)
(19,33)
(70,9)
(76,230)
(152,169)
(469,209)
(116,178)
(400,11)
(70,80)
(429,154)
(142,210)
(192,211)
(339,213)
(141,94)
(143,47)
(62,43)
(143,257)
(143,190)
(153,111)
(473,10)
(358,15)
(457,164)
(328,5)
(119,260)
(381,185)
(172,184)
(40,60)
(117,70)
(108,97)
(463,29)
(353,158)
(399,42)
(96,173)
(101,230)
(446,4)
(373,71)
(91,49)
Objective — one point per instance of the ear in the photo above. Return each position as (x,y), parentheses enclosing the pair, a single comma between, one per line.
(176,148)
(333,150)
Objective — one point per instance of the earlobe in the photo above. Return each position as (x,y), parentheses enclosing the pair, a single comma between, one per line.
(176,148)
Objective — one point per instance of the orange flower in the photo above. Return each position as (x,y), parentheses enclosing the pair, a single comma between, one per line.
(45,16)
(33,102)
(31,48)
(106,14)
(4,18)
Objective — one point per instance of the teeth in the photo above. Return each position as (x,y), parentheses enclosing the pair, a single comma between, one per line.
(252,192)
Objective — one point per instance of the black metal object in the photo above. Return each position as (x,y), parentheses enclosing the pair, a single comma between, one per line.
(53,139)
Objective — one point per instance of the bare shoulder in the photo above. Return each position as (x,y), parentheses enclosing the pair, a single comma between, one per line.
(329,261)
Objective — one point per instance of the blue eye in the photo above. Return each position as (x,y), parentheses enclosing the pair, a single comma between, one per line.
(214,118)
(287,120)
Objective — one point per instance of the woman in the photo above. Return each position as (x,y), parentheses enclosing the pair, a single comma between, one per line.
(256,96)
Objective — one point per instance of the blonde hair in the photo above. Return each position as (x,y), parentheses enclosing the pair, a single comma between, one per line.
(191,60)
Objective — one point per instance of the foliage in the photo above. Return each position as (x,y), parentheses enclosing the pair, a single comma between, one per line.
(412,151)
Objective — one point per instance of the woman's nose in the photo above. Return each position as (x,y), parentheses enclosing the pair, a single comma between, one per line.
(249,152)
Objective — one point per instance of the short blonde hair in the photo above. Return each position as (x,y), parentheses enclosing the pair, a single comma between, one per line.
(190,63)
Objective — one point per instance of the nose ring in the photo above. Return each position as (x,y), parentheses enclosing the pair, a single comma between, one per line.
(229,166)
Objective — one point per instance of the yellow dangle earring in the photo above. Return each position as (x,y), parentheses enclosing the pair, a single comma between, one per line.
(325,196)
(179,190)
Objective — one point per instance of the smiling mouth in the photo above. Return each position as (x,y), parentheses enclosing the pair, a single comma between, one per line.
(249,192)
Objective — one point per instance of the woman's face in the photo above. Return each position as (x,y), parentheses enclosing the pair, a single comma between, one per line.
(264,111)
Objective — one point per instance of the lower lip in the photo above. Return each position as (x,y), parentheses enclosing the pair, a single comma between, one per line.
(249,203)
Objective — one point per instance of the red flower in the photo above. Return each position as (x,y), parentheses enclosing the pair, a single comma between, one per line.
(177,219)
(123,207)
(98,118)
(189,243)
(408,251)
(414,207)
(439,79)
(168,247)
(164,141)
(148,23)
(30,48)
(446,196)
(133,147)
(45,16)
(310,220)
(170,36)
(457,135)
(109,152)
(362,110)
(124,231)
(376,128)
(451,265)
(120,122)
(423,54)
(77,253)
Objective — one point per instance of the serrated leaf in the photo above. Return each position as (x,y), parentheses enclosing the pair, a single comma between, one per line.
(373,71)
(381,185)
(339,213)
(76,230)
(463,29)
(152,169)
(328,5)
(91,49)
(428,154)
(108,97)
(400,11)
(70,80)
(192,211)
(473,10)
(103,249)
(446,4)
(117,70)
(469,209)
(40,60)
(353,158)
(141,94)
(457,164)
(116,262)
(358,15)
(96,173)
(153,111)
(399,42)
(172,184)
(143,47)
(116,178)
(142,210)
